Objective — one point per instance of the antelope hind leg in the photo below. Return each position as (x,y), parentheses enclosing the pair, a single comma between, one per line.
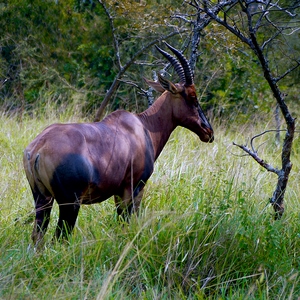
(43,207)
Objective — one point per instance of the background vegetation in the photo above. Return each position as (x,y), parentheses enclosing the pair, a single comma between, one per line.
(206,229)
(65,51)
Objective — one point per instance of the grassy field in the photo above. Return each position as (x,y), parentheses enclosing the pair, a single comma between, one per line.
(206,230)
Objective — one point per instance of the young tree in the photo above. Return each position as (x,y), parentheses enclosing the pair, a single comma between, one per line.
(266,27)
(140,24)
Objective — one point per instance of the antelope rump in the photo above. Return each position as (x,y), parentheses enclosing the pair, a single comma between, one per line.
(86,163)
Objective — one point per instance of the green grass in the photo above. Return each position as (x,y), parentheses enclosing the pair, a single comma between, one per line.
(206,230)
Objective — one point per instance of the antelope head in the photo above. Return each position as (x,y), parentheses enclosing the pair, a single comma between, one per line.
(187,111)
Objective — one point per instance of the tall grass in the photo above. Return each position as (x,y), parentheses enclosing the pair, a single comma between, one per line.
(206,230)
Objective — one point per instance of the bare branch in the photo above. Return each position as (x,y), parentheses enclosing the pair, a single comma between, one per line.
(263,14)
(213,15)
(183,18)
(282,9)
(278,32)
(201,21)
(265,165)
(114,86)
(142,91)
(3,82)
(272,23)
(115,40)
(287,72)
(292,31)
(260,134)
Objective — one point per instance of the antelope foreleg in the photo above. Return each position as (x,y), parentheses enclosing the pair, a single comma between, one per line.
(67,218)
(126,205)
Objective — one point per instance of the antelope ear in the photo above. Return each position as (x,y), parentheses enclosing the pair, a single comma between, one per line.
(156,85)
(167,85)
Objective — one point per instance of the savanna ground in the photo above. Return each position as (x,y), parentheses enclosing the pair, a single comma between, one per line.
(206,230)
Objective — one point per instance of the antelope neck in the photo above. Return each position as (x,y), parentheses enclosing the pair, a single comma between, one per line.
(158,120)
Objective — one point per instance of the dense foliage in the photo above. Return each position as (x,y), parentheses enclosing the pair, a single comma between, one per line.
(70,51)
(52,50)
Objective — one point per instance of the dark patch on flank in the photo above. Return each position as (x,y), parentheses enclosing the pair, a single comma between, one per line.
(72,177)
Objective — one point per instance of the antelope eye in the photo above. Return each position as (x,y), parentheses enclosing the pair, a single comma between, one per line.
(194,100)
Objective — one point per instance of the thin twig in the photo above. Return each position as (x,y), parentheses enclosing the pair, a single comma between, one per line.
(254,155)
(262,133)
(114,86)
(278,32)
(143,92)
(287,72)
(113,29)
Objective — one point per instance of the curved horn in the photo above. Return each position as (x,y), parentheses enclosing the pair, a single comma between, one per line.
(175,63)
(185,64)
